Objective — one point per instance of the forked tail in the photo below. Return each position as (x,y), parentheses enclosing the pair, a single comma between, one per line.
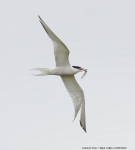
(82,117)
(43,71)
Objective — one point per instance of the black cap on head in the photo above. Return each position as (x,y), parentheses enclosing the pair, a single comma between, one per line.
(77,67)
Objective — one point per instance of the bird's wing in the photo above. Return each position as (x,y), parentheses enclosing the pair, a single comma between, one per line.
(77,95)
(61,52)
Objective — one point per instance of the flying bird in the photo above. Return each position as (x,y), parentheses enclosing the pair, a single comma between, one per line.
(66,72)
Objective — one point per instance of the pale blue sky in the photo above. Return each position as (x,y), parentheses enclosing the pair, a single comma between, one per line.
(36,113)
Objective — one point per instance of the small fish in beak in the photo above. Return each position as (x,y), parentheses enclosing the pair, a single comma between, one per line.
(85,71)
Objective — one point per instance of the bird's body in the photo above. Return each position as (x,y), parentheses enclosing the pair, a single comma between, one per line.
(60,71)
(66,72)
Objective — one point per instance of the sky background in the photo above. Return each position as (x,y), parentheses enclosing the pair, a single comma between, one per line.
(36,113)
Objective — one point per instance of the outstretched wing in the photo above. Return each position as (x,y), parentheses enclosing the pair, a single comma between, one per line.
(77,95)
(61,52)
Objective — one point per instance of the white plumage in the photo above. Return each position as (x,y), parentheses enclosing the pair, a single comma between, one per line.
(66,72)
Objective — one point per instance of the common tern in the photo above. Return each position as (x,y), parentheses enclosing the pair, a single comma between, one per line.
(66,72)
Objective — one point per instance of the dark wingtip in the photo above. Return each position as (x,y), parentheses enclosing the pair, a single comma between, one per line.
(39,17)
(83,127)
(73,120)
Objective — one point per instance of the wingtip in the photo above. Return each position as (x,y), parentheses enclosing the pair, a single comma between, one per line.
(84,128)
(40,19)
(73,119)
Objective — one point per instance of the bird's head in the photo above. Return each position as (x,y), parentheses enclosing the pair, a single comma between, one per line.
(80,69)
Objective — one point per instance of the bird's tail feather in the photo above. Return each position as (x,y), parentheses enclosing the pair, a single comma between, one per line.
(82,117)
(43,71)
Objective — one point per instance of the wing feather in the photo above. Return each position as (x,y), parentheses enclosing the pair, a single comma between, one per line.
(77,95)
(61,51)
